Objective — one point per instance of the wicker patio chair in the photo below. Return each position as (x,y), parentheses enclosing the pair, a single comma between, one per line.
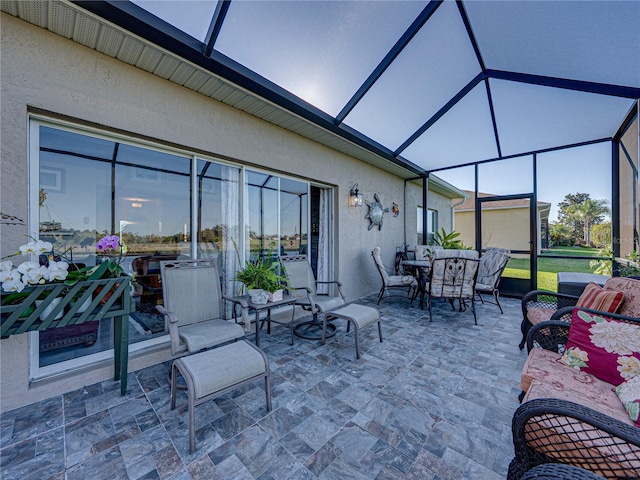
(193,306)
(453,277)
(401,282)
(555,430)
(492,264)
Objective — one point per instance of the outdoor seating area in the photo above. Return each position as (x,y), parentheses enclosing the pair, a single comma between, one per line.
(311,240)
(434,400)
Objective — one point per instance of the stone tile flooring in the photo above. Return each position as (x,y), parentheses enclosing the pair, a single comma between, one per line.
(433,401)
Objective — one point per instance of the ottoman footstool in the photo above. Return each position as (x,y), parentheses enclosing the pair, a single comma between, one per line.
(212,373)
(360,316)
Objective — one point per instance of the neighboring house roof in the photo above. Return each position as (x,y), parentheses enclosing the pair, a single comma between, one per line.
(438,185)
(470,203)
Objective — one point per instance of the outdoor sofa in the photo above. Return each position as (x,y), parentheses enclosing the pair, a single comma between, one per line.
(568,415)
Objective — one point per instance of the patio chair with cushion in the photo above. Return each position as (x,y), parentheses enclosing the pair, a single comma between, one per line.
(302,284)
(193,306)
(401,282)
(453,277)
(539,305)
(492,264)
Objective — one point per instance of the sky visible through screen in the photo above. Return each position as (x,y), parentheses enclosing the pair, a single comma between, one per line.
(322,52)
(576,170)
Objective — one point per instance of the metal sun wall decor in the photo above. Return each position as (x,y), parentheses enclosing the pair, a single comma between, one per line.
(376,211)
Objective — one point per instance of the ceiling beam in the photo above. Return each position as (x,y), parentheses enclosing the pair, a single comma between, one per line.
(493,116)
(389,58)
(476,49)
(568,84)
(440,113)
(219,15)
(628,119)
(524,154)
(470,34)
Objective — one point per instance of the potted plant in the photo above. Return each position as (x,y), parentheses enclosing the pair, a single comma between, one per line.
(262,275)
(449,241)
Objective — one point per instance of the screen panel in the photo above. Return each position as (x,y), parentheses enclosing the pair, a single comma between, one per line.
(593,41)
(463,135)
(320,51)
(438,62)
(531,117)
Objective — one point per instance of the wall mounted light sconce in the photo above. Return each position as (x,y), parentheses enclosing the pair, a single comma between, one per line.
(355,197)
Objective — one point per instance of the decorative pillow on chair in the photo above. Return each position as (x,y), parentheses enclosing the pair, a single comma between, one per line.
(607,349)
(629,394)
(597,298)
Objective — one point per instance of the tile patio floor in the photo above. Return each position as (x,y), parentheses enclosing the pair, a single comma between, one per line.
(433,401)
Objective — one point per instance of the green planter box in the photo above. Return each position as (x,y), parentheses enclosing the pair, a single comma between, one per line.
(108,298)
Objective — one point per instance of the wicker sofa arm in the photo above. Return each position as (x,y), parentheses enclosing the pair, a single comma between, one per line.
(547,430)
(562,314)
(551,335)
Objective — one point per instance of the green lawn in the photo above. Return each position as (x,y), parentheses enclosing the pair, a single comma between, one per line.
(549,267)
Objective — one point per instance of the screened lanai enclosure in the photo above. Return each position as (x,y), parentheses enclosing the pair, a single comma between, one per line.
(516,102)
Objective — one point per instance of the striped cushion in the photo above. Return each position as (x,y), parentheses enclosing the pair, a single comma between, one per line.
(597,298)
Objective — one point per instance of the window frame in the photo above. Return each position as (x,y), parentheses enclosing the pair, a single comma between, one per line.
(99,359)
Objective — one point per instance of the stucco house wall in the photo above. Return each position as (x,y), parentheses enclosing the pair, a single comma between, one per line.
(442,205)
(437,201)
(47,74)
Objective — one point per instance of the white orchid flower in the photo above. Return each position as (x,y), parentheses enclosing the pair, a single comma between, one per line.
(35,277)
(36,247)
(6,265)
(9,275)
(54,274)
(26,267)
(13,286)
(58,265)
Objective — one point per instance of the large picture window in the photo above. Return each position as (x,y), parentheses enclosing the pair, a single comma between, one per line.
(164,205)
(278,215)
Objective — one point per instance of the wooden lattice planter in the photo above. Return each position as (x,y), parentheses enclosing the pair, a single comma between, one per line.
(108,298)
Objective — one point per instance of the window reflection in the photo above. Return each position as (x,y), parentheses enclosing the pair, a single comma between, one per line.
(218,217)
(90,187)
(278,213)
(293,211)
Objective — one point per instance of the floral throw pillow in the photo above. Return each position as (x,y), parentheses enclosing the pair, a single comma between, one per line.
(629,394)
(607,349)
